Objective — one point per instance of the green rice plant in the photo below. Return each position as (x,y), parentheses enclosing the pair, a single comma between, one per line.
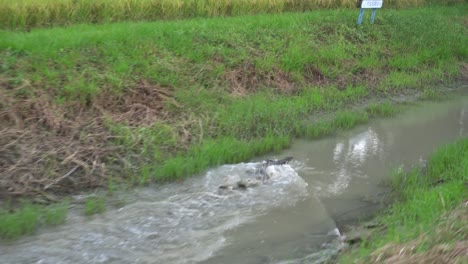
(33,13)
(94,205)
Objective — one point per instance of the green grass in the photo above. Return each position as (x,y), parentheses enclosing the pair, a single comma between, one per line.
(32,13)
(433,95)
(227,89)
(423,200)
(94,205)
(28,217)
(233,82)
(214,152)
(55,214)
(384,109)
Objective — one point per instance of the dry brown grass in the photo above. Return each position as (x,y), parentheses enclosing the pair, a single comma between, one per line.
(142,105)
(246,79)
(46,147)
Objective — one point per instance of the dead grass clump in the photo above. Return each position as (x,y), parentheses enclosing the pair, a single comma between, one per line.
(464,71)
(140,106)
(50,148)
(399,254)
(38,108)
(370,77)
(247,79)
(243,80)
(34,162)
(314,76)
(281,80)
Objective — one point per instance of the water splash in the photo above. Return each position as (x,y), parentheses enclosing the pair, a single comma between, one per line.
(183,223)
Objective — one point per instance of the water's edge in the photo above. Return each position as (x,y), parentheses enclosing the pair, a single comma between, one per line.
(331,184)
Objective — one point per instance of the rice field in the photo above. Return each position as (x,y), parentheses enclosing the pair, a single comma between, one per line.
(26,14)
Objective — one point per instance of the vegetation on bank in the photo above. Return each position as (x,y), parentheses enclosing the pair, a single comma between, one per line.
(428,221)
(86,105)
(26,14)
(94,205)
(27,218)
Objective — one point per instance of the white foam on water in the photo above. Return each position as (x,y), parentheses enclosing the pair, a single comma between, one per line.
(183,223)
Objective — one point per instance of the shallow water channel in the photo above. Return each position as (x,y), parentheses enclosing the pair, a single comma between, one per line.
(295,217)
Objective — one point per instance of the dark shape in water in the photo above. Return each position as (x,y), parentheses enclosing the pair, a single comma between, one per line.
(284,161)
(266,163)
(241,184)
(261,173)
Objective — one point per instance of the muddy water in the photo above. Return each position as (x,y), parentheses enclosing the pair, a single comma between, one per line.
(295,217)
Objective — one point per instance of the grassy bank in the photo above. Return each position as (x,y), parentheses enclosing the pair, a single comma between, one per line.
(97,106)
(428,221)
(26,14)
(88,106)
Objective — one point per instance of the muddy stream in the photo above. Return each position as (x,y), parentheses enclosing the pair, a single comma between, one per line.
(295,217)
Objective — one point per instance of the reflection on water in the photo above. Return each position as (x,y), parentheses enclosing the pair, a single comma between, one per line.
(463,119)
(350,155)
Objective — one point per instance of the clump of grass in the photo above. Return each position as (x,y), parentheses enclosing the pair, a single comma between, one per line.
(424,198)
(28,217)
(340,121)
(432,94)
(216,152)
(33,13)
(55,214)
(348,120)
(316,129)
(385,109)
(94,205)
(424,193)
(23,221)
